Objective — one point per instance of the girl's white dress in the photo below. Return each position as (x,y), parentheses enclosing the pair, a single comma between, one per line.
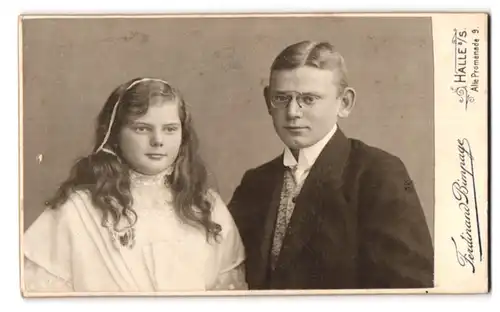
(68,250)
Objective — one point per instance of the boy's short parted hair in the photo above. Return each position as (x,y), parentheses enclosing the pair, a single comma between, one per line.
(321,55)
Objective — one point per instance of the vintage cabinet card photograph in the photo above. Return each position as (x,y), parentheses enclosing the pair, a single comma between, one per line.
(253,154)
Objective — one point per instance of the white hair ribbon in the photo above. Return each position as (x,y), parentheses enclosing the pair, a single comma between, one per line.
(113,115)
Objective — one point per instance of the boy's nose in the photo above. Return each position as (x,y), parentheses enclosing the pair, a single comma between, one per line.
(293,109)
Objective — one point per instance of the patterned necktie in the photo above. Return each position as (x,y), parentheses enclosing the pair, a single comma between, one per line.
(288,193)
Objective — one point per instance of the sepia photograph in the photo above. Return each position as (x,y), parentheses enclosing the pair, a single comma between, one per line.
(253,154)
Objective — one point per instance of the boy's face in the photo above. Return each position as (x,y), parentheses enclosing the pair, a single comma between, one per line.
(150,143)
(304,104)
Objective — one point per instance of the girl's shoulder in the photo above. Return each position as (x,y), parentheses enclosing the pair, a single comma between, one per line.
(78,197)
(70,205)
(48,241)
(220,211)
(218,205)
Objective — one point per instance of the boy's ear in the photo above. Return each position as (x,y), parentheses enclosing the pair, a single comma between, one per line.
(348,102)
(267,98)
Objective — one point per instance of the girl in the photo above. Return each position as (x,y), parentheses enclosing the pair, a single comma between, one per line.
(136,215)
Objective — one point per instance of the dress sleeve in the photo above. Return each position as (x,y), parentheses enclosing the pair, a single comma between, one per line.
(38,279)
(231,252)
(233,279)
(47,252)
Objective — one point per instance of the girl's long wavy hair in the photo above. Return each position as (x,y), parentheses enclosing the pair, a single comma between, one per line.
(106,177)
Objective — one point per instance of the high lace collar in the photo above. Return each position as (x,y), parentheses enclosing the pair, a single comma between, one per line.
(139,179)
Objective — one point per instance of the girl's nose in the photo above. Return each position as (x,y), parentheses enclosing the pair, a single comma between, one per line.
(157,140)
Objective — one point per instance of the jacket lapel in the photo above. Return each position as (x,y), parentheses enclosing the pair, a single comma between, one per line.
(319,190)
(269,221)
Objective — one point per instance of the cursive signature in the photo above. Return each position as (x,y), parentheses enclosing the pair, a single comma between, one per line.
(464,192)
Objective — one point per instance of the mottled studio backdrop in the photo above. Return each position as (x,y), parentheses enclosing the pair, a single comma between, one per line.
(221,65)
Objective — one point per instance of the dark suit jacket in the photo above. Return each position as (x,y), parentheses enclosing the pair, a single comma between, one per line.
(357,223)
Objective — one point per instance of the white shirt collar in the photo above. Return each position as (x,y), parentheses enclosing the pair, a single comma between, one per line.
(308,155)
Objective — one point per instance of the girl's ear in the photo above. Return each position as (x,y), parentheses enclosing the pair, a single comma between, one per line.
(348,102)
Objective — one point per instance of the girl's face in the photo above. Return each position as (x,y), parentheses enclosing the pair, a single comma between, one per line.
(150,143)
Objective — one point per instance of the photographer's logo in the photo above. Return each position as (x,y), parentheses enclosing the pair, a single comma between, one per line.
(466,65)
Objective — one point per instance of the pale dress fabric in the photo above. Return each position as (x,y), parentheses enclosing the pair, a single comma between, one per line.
(68,250)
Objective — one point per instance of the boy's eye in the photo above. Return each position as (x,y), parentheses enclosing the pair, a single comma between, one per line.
(279,98)
(308,99)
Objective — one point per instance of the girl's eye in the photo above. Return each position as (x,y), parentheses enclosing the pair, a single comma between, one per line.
(140,129)
(171,128)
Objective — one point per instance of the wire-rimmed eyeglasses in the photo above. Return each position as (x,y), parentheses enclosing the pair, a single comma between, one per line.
(304,100)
